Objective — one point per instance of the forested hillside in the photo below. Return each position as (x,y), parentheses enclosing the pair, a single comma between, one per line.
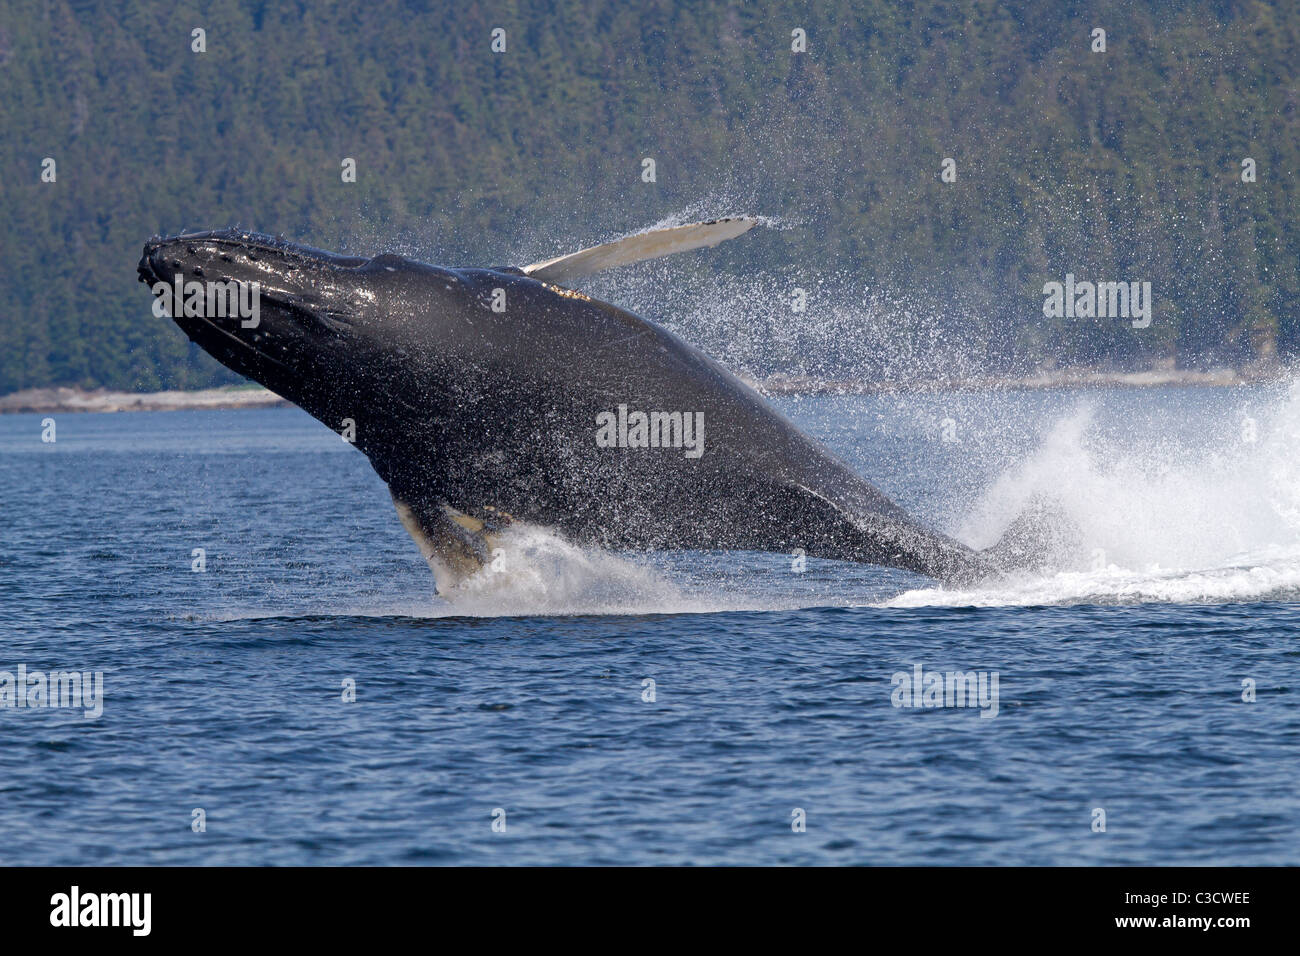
(1116,165)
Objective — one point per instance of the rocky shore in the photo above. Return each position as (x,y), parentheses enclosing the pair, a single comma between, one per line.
(103,400)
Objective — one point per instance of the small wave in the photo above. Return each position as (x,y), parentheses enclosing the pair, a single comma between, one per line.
(1114,585)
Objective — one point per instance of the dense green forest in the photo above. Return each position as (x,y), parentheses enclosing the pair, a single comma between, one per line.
(1119,165)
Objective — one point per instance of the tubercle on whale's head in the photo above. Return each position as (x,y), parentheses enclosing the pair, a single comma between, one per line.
(301,321)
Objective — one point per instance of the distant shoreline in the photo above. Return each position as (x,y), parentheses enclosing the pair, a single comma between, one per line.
(1064,378)
(65,399)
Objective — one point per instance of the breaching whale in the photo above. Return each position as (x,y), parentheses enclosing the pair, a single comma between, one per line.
(486,396)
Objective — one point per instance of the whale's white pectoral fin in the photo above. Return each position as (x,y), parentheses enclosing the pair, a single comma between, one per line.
(454,545)
(639,248)
(452,551)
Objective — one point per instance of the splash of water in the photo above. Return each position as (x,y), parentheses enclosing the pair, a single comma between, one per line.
(1211,519)
(539,572)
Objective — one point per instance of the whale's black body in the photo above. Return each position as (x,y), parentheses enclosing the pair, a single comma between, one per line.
(475,417)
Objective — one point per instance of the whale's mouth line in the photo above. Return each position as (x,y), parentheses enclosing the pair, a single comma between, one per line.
(247,345)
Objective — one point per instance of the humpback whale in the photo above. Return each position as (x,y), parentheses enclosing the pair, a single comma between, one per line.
(489,396)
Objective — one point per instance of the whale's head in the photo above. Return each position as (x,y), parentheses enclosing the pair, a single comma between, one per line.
(306,323)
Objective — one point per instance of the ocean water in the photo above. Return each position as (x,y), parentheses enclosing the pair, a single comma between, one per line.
(1149,674)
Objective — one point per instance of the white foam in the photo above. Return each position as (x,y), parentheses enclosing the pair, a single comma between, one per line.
(539,572)
(1252,581)
(1202,518)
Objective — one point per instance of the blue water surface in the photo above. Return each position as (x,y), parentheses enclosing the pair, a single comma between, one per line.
(773,692)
